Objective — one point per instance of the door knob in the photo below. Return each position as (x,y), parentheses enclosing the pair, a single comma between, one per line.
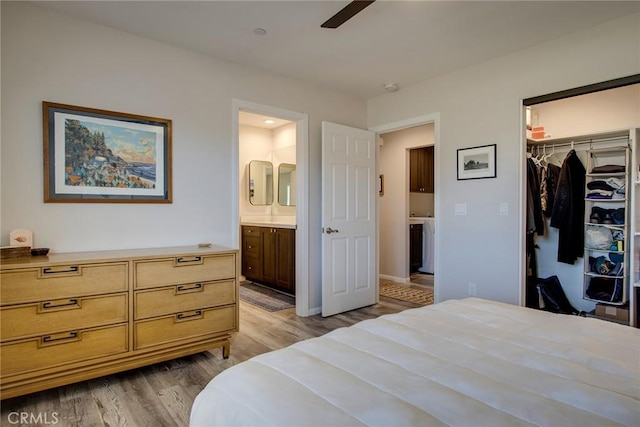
(330,230)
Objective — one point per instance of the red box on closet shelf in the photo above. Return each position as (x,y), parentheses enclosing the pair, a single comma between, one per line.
(537,132)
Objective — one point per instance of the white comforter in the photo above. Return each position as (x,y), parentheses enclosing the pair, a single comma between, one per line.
(464,362)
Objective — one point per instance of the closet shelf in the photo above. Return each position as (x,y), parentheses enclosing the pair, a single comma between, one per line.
(591,274)
(606,302)
(604,251)
(604,200)
(620,227)
(604,175)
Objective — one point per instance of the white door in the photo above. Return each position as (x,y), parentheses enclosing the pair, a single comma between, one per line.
(349,192)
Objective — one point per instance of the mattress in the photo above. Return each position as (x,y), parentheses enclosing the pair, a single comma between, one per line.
(469,362)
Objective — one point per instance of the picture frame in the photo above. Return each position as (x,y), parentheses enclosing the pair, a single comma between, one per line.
(100,156)
(477,162)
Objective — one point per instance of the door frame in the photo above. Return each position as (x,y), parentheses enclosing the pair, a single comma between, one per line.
(433,118)
(302,187)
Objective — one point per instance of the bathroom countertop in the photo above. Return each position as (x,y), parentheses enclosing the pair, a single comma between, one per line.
(420,219)
(279,222)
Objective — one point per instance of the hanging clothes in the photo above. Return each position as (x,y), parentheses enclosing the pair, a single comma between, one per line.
(535,220)
(549,176)
(535,224)
(568,209)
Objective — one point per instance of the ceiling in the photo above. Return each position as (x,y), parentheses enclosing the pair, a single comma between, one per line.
(258,120)
(402,42)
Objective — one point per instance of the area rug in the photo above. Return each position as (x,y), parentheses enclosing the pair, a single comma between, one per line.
(406,293)
(265,298)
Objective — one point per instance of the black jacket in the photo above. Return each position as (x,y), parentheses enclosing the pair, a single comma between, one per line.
(568,209)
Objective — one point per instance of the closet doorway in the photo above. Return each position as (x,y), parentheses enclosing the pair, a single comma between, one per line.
(595,117)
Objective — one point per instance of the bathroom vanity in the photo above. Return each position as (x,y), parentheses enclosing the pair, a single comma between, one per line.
(269,254)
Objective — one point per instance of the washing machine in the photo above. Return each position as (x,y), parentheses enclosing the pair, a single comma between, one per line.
(428,243)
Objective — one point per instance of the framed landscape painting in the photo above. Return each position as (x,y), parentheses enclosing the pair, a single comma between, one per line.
(477,162)
(95,156)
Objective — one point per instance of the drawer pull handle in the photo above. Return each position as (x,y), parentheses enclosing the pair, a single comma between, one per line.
(185,288)
(49,305)
(53,270)
(189,260)
(183,316)
(47,339)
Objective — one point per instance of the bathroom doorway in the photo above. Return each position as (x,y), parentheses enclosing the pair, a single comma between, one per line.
(293,126)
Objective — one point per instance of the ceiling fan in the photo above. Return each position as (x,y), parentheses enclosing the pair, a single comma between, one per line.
(348,12)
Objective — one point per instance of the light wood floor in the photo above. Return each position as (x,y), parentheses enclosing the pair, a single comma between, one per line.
(162,394)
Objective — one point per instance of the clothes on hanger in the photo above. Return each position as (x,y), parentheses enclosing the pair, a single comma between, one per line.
(549,176)
(535,220)
(568,209)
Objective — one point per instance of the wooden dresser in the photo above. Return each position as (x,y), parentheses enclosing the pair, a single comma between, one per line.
(75,316)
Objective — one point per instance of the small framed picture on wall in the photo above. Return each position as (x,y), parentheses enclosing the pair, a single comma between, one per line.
(477,162)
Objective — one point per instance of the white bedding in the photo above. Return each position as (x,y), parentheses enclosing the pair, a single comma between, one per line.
(466,362)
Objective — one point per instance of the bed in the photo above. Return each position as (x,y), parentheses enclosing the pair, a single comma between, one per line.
(469,362)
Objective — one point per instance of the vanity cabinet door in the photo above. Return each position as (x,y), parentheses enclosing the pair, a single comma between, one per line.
(286,260)
(269,255)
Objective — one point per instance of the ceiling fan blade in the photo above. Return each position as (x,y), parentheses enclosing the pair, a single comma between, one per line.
(348,12)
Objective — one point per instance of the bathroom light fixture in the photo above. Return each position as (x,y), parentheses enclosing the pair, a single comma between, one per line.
(391,87)
(259,31)
(269,121)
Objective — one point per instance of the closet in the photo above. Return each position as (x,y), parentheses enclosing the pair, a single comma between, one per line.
(594,259)
(584,236)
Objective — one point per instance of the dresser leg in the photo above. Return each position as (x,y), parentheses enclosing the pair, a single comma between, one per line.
(226,350)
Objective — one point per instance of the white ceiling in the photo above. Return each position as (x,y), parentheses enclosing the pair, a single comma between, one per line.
(258,120)
(390,41)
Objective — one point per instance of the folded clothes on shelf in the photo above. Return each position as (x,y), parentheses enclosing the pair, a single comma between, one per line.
(605,289)
(609,169)
(607,216)
(605,266)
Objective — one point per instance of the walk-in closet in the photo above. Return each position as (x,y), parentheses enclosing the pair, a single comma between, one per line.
(581,225)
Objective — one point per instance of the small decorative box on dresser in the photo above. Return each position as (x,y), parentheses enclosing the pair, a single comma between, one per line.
(74,316)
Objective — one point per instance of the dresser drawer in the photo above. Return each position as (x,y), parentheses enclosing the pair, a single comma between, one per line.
(62,281)
(186,297)
(57,349)
(61,315)
(184,325)
(185,269)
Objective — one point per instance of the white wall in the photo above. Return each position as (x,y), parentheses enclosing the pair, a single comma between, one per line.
(284,151)
(395,204)
(608,110)
(46,56)
(272,145)
(255,144)
(482,105)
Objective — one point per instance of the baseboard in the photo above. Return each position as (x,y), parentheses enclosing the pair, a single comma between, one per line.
(395,279)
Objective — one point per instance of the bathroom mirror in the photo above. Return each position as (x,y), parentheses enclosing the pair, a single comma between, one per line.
(287,184)
(260,183)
